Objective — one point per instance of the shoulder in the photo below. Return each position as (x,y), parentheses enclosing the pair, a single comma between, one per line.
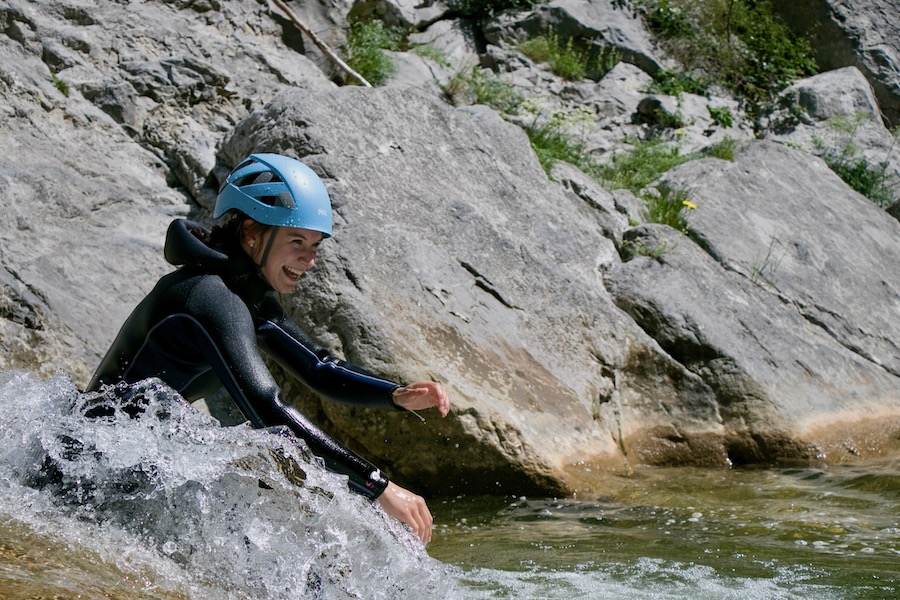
(208,294)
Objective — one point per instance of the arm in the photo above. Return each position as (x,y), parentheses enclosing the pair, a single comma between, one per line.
(226,337)
(285,342)
(337,380)
(330,377)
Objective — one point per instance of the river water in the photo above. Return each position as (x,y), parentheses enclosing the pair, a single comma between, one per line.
(162,503)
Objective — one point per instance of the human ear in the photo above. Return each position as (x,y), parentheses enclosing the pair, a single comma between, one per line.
(250,236)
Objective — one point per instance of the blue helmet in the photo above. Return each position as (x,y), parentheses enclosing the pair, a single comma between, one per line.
(277,190)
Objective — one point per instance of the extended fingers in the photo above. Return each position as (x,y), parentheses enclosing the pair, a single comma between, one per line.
(443,403)
(421,516)
(408,508)
(427,523)
(436,395)
(423,394)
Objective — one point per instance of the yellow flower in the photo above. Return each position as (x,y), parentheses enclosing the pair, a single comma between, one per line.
(689,204)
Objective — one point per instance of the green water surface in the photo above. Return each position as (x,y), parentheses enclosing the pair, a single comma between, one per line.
(801,533)
(829,532)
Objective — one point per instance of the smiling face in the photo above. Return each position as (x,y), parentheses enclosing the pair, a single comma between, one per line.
(283,253)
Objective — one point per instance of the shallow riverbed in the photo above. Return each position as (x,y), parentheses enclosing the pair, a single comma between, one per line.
(672,533)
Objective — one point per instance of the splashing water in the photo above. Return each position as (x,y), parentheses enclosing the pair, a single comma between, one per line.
(132,494)
(175,506)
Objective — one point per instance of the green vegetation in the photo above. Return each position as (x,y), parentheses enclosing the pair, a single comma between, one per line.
(641,248)
(763,270)
(567,60)
(552,137)
(845,159)
(61,85)
(721,116)
(637,169)
(668,206)
(674,84)
(725,149)
(868,180)
(364,51)
(740,44)
(432,53)
(551,143)
(721,53)
(481,86)
(633,171)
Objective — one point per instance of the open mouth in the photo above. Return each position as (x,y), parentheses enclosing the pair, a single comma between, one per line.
(292,273)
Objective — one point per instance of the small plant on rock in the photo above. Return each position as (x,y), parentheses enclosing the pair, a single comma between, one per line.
(720,115)
(433,53)
(552,140)
(639,247)
(637,169)
(726,149)
(668,206)
(764,269)
(481,86)
(61,84)
(568,61)
(849,164)
(364,51)
(674,83)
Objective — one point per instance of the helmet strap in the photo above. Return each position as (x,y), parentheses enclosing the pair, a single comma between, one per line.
(265,254)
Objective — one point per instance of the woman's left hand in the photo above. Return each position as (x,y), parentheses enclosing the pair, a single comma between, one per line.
(423,394)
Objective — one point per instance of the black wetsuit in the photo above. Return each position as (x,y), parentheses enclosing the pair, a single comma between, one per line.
(202,327)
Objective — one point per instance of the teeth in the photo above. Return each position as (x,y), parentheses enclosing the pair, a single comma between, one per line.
(293,272)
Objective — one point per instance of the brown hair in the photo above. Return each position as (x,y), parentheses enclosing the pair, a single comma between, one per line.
(229,232)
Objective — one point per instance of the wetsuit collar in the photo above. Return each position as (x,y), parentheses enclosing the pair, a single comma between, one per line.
(187,245)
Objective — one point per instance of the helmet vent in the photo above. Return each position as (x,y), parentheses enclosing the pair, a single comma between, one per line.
(276,190)
(266,177)
(286,200)
(283,199)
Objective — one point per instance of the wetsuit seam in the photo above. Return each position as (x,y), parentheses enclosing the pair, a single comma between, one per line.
(246,403)
(321,364)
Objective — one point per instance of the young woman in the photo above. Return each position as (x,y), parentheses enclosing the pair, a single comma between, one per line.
(203,326)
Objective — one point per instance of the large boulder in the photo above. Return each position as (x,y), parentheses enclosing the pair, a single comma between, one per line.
(85,211)
(429,278)
(112,115)
(781,307)
(858,33)
(606,23)
(174,80)
(835,114)
(455,256)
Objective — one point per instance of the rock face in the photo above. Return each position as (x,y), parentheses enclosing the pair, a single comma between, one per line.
(836,114)
(570,332)
(768,302)
(861,34)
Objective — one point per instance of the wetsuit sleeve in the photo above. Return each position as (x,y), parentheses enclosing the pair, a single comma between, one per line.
(330,377)
(225,334)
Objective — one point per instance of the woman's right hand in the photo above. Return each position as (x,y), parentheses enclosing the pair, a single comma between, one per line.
(407,508)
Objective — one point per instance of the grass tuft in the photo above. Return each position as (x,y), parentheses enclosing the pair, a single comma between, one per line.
(364,51)
(570,62)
